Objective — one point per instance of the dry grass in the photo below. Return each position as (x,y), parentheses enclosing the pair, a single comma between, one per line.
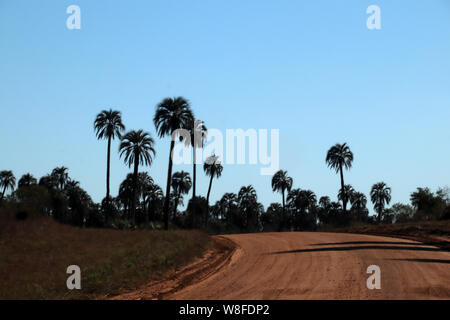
(35,253)
(433,232)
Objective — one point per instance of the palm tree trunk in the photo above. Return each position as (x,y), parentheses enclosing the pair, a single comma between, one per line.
(283,213)
(135,177)
(169,177)
(145,208)
(194,171)
(176,206)
(107,179)
(344,202)
(3,193)
(207,199)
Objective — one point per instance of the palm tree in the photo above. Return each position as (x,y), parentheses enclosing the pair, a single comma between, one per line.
(212,168)
(154,192)
(247,202)
(126,192)
(358,200)
(338,157)
(137,147)
(302,204)
(281,182)
(247,194)
(27,180)
(228,202)
(346,193)
(171,115)
(198,132)
(48,181)
(60,176)
(301,200)
(380,194)
(7,181)
(145,183)
(154,196)
(181,184)
(324,202)
(108,125)
(71,184)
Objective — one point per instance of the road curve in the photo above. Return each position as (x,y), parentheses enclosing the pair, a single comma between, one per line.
(315,265)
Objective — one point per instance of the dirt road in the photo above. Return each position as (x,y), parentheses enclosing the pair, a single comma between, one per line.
(306,265)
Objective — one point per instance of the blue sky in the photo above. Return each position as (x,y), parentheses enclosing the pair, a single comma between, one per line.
(311,69)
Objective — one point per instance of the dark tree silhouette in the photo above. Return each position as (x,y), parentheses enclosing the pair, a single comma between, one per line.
(338,157)
(27,180)
(145,185)
(248,203)
(181,184)
(126,193)
(108,125)
(281,182)
(198,131)
(212,168)
(229,209)
(358,200)
(324,202)
(60,176)
(346,193)
(7,181)
(171,115)
(137,147)
(301,200)
(380,194)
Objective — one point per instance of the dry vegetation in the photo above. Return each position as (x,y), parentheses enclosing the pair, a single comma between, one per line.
(433,232)
(35,253)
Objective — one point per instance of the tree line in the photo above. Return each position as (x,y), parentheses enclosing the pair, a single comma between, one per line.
(141,202)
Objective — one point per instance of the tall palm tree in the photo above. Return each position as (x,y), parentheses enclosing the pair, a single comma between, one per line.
(339,157)
(281,182)
(181,184)
(27,180)
(198,133)
(7,181)
(108,125)
(61,177)
(380,194)
(137,147)
(171,114)
(212,168)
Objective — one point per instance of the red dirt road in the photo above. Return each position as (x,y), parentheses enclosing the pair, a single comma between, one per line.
(307,265)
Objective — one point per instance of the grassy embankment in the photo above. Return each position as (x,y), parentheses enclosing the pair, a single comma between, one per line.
(35,254)
(436,233)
